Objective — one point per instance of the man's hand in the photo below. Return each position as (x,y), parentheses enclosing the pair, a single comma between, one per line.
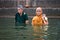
(27,22)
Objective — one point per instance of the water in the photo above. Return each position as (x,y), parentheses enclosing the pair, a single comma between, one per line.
(9,32)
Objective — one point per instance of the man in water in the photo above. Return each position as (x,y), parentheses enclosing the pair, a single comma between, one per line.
(38,22)
(21,18)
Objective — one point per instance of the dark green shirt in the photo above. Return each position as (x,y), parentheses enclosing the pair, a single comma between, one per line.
(20,20)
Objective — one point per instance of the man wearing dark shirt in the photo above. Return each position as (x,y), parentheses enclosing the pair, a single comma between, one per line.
(21,18)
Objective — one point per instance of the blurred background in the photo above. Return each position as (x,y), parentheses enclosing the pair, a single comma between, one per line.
(8,9)
(50,7)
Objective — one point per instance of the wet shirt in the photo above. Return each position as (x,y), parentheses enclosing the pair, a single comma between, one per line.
(20,20)
(37,21)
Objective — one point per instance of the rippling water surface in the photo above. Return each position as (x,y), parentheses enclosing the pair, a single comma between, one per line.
(9,32)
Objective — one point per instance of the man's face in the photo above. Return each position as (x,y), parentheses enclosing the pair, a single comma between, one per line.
(20,10)
(39,11)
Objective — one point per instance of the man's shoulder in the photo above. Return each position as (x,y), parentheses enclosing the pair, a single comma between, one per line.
(17,14)
(35,17)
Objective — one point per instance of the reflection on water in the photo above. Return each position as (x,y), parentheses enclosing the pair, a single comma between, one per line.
(40,32)
(9,32)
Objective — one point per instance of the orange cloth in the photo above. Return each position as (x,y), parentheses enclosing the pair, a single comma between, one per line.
(37,20)
(37,23)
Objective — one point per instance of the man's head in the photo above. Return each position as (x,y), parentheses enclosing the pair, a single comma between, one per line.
(20,8)
(39,11)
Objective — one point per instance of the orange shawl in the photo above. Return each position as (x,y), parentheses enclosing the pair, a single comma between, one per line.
(37,21)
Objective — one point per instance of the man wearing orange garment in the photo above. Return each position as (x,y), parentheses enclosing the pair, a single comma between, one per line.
(38,23)
(37,20)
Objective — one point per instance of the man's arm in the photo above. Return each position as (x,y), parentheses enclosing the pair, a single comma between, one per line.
(26,19)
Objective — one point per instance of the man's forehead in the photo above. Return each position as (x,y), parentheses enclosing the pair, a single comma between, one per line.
(39,8)
(19,8)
